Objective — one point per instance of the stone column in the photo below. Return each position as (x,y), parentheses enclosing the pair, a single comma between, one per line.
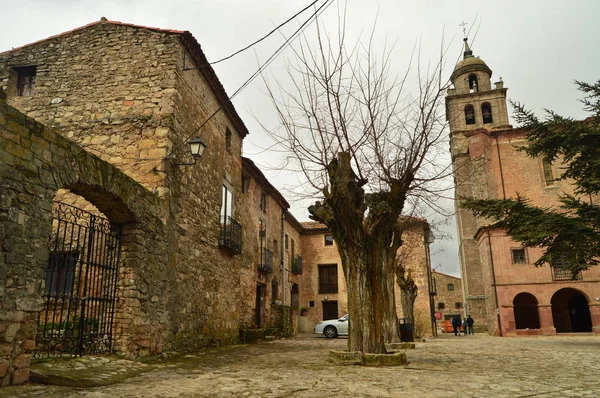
(595,314)
(546,320)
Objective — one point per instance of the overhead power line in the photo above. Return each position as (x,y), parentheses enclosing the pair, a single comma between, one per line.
(267,35)
(302,27)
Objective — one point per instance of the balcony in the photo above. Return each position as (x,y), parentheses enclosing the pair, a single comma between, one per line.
(565,274)
(266,261)
(231,235)
(297,265)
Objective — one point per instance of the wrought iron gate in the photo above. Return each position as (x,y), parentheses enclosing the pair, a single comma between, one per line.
(81,284)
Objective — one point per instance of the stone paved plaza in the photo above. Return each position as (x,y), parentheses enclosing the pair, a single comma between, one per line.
(466,366)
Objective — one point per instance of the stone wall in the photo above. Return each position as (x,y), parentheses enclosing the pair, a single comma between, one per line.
(134,96)
(449,297)
(35,162)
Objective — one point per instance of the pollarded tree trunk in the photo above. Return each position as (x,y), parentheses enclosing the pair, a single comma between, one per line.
(409,291)
(364,244)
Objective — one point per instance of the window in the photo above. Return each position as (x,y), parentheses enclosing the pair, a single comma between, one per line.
(274,290)
(458,306)
(518,256)
(293,248)
(226,204)
(328,280)
(441,306)
(287,242)
(262,234)
(450,287)
(263,201)
(227,139)
(548,175)
(473,86)
(25,80)
(275,246)
(59,273)
(311,304)
(328,240)
(486,113)
(469,114)
(245,184)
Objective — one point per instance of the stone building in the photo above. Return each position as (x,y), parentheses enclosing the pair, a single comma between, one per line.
(268,230)
(448,299)
(192,255)
(501,285)
(323,286)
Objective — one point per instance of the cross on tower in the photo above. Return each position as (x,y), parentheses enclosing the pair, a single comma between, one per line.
(464,27)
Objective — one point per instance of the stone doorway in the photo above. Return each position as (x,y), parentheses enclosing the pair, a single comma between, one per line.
(295,296)
(259,306)
(570,312)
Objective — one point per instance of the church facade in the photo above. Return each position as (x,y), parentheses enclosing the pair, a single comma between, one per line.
(502,287)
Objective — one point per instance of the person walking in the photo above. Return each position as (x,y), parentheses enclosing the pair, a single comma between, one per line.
(456,325)
(465,326)
(470,322)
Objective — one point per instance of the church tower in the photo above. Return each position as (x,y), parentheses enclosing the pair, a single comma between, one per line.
(474,111)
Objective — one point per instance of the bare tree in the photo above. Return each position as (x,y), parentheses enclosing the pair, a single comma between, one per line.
(369,150)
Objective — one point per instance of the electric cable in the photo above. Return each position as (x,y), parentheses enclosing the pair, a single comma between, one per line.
(264,37)
(302,27)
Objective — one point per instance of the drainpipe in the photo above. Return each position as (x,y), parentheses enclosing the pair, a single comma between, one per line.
(282,255)
(500,166)
(429,278)
(494,282)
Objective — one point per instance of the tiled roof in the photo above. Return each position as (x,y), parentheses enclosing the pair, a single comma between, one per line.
(196,54)
(313,225)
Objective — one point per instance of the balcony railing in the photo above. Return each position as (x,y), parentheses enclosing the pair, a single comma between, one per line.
(231,235)
(266,260)
(297,265)
(565,274)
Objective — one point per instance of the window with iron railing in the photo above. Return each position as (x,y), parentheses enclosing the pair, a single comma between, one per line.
(561,270)
(231,230)
(266,260)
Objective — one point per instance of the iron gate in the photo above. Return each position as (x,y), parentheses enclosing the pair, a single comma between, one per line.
(81,284)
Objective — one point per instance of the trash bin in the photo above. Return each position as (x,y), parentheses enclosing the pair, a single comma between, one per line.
(405,325)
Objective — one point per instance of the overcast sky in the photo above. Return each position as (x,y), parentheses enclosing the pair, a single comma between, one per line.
(537,47)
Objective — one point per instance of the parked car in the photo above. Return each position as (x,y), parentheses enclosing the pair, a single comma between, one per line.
(333,327)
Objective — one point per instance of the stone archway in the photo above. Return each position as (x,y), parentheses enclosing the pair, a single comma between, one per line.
(525,307)
(570,311)
(35,163)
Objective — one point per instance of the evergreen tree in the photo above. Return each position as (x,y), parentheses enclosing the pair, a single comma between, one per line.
(569,234)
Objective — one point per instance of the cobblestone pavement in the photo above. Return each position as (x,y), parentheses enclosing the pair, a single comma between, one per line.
(450,366)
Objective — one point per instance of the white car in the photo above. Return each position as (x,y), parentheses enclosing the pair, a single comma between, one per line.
(333,327)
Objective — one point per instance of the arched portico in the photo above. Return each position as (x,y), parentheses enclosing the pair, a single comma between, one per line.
(525,306)
(571,312)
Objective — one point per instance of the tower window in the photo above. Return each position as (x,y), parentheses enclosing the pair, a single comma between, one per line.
(473,85)
(469,114)
(486,113)
(548,175)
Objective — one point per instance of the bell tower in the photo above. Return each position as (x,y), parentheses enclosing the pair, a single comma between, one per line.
(473,103)
(475,112)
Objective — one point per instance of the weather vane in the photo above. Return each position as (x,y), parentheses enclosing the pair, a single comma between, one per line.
(464,27)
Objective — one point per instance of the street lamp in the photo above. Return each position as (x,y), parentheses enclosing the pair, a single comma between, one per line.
(197,147)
